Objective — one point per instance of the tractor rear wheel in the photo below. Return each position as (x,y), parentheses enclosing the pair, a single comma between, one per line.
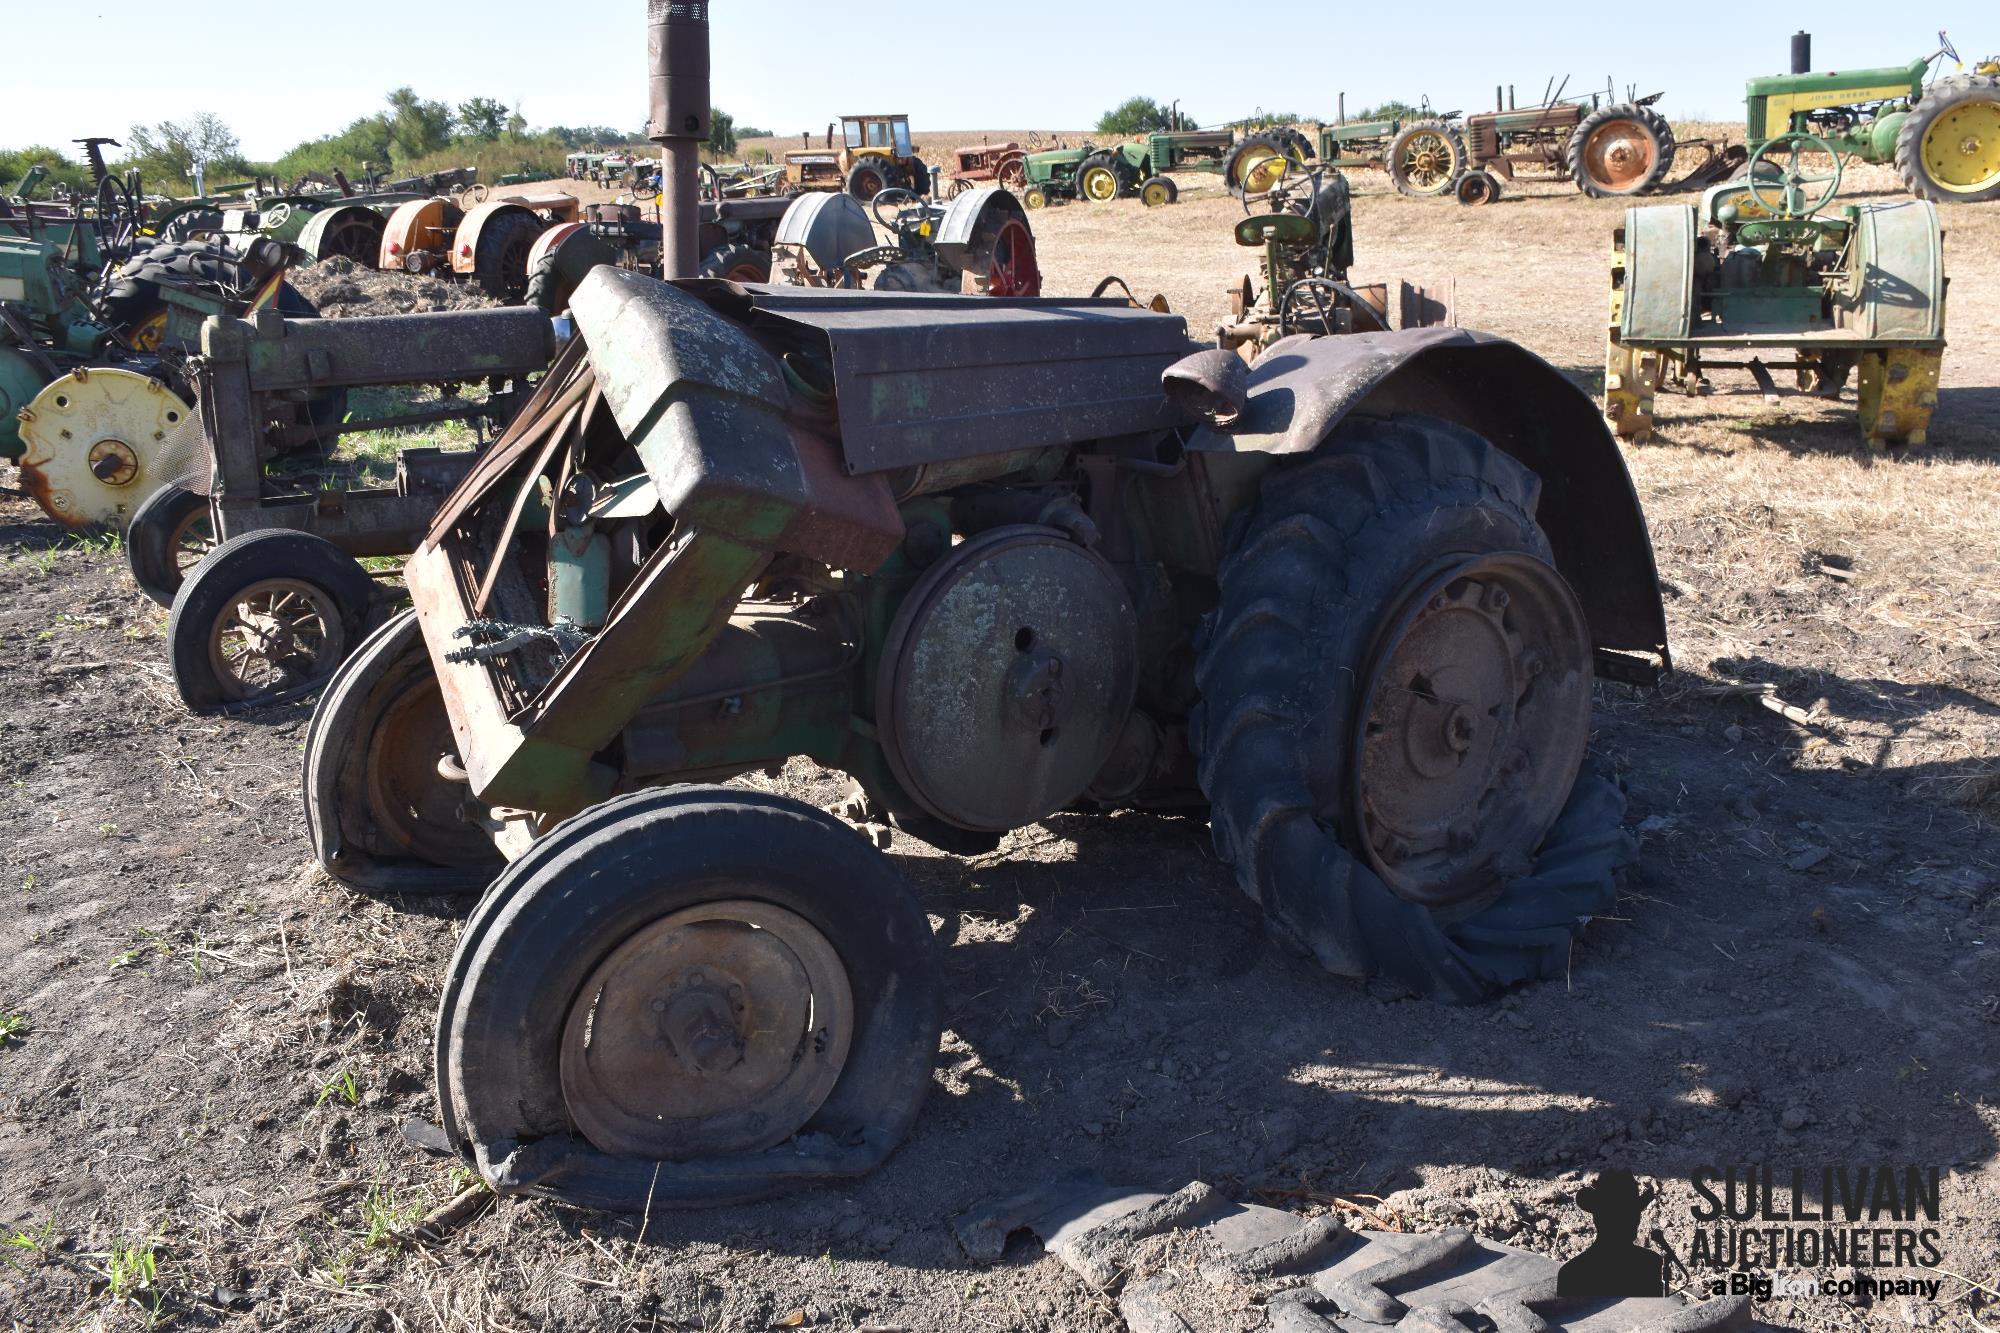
(500,265)
(1103,177)
(672,983)
(736,263)
(1012,174)
(385,794)
(1395,703)
(870,176)
(264,619)
(1256,165)
(1948,151)
(1427,157)
(169,534)
(1620,150)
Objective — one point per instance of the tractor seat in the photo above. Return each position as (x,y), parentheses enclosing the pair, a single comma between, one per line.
(1287,229)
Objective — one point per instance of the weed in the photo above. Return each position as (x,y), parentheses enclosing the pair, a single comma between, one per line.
(340,1085)
(386,1218)
(12,1028)
(108,830)
(132,1269)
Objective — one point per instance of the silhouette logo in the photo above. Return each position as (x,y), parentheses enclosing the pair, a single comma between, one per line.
(1613,1266)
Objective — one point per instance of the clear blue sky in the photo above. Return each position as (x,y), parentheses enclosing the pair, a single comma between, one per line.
(1022,64)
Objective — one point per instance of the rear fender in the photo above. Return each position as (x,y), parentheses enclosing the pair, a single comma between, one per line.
(1302,389)
(465,245)
(313,238)
(416,226)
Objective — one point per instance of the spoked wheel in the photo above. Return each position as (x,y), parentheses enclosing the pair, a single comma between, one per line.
(1013,270)
(1012,175)
(672,984)
(169,534)
(387,801)
(265,618)
(356,234)
(1427,158)
(1395,700)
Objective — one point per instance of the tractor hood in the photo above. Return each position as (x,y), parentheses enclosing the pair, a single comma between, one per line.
(1301,389)
(926,379)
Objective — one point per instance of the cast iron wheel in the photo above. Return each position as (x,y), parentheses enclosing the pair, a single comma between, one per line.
(500,265)
(385,793)
(170,532)
(356,236)
(1948,151)
(1395,702)
(265,618)
(1012,174)
(1426,158)
(1620,150)
(1103,177)
(1477,188)
(693,995)
(869,177)
(736,263)
(1013,269)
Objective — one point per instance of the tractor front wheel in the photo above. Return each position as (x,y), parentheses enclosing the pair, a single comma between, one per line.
(1948,151)
(672,984)
(1395,703)
(1034,197)
(1158,192)
(169,534)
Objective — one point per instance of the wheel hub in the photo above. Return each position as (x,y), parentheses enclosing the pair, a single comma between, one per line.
(1618,155)
(718,1029)
(1474,722)
(272,637)
(113,462)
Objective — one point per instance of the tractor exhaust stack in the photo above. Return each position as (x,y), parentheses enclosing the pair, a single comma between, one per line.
(677,69)
(1802,52)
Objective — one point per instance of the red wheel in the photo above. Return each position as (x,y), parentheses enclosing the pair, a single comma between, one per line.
(1013,271)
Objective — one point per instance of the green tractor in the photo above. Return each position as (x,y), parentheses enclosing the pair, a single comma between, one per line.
(1942,136)
(1101,175)
(1758,269)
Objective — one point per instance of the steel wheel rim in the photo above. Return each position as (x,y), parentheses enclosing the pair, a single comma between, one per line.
(191,539)
(1428,160)
(410,799)
(717,1029)
(1619,154)
(746,272)
(1013,270)
(354,239)
(1470,729)
(1100,185)
(1155,195)
(277,635)
(1961,149)
(1258,175)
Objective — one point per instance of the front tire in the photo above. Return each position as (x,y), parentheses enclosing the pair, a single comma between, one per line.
(1395,701)
(264,619)
(381,812)
(777,959)
(170,532)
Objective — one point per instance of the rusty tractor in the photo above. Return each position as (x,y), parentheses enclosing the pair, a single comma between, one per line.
(994,559)
(1306,231)
(1002,164)
(736,236)
(978,242)
(267,614)
(488,242)
(1761,268)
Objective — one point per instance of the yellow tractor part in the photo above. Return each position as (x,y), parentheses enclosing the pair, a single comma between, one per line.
(1897,392)
(1261,168)
(94,439)
(1097,183)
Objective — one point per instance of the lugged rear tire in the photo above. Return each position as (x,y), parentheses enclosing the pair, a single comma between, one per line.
(1330,578)
(1978,167)
(1632,153)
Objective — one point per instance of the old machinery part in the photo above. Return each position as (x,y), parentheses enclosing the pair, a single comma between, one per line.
(1396,773)
(353,232)
(387,803)
(1792,199)
(169,534)
(737,263)
(92,438)
(1427,157)
(1006,678)
(265,618)
(1158,191)
(1619,149)
(692,996)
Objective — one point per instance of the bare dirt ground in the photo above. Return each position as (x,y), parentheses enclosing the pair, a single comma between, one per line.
(211,1047)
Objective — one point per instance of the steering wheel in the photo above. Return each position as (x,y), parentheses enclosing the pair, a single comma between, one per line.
(897,195)
(1793,179)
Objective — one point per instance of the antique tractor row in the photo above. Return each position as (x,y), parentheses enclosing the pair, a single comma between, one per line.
(993,559)
(1101,175)
(490,243)
(1757,269)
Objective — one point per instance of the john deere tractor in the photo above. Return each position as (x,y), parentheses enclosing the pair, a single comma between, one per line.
(1943,135)
(1101,175)
(995,559)
(1760,271)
